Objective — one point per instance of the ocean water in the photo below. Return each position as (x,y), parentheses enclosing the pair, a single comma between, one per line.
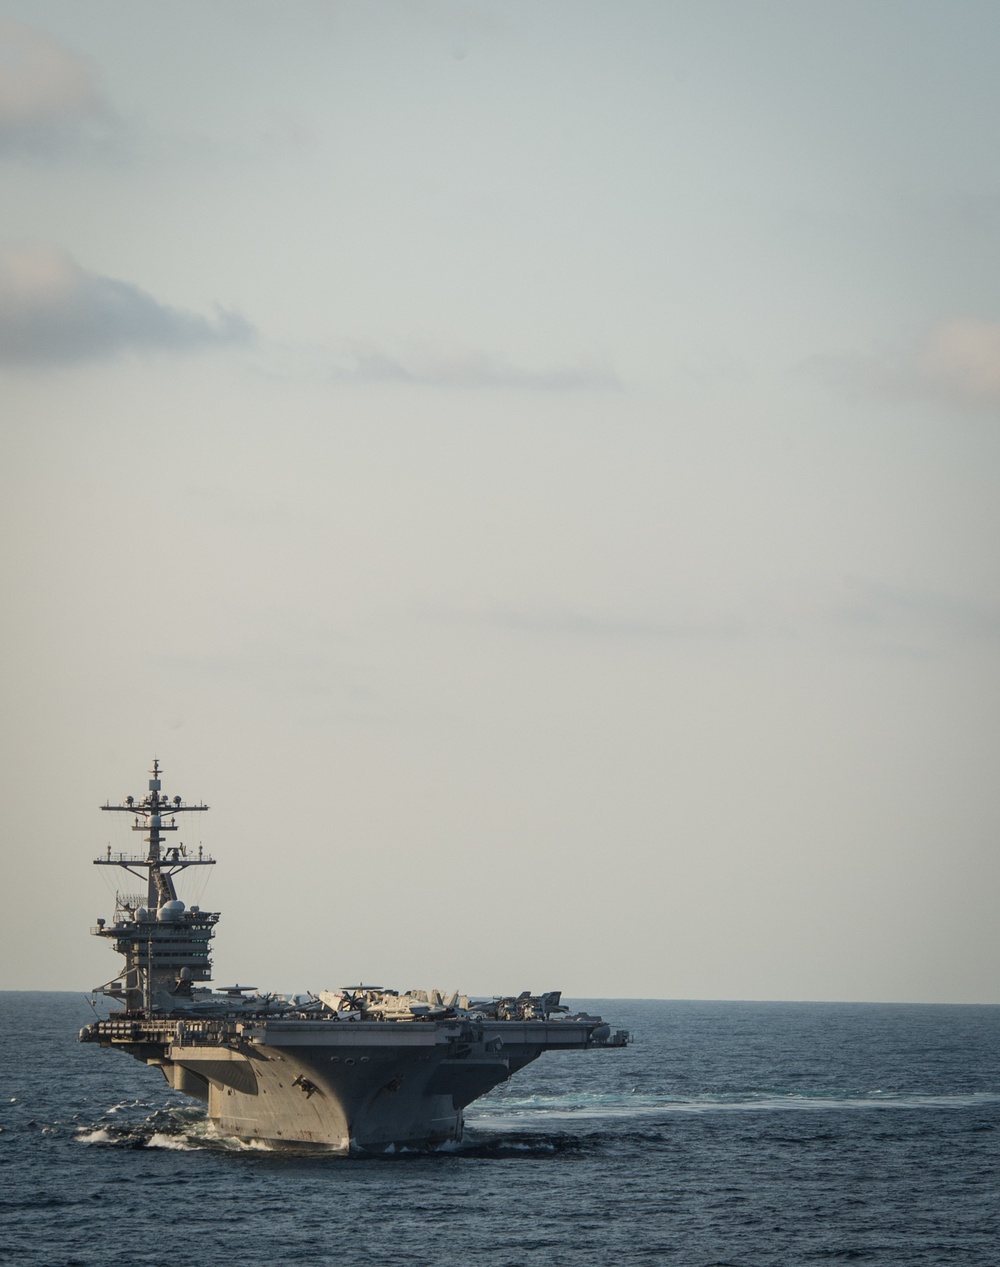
(736,1134)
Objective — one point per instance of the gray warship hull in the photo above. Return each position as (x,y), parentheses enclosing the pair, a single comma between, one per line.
(341,1086)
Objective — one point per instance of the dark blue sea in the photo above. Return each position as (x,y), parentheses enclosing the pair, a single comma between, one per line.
(737,1134)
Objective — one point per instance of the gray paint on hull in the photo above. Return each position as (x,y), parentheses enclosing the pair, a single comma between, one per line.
(338,1085)
(310,1095)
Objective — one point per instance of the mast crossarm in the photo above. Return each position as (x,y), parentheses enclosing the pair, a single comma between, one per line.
(164,808)
(166,864)
(125,866)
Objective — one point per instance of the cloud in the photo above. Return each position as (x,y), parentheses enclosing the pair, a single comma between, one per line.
(955,361)
(52,311)
(47,93)
(847,611)
(875,606)
(684,622)
(469,368)
(623,626)
(315,680)
(961,359)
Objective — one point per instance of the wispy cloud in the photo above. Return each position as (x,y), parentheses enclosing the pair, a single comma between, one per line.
(53,311)
(49,95)
(469,368)
(315,678)
(623,626)
(879,607)
(847,611)
(956,361)
(962,359)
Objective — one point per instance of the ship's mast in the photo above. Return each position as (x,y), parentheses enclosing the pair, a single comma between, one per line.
(153,809)
(165,948)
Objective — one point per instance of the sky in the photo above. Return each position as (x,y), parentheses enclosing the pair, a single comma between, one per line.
(533,469)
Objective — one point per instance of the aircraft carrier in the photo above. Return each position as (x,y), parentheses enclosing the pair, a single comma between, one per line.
(358,1068)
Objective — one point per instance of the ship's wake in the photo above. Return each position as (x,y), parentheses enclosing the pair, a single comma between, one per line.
(511,1126)
(510,1112)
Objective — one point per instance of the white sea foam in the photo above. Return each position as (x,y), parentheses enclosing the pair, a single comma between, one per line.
(207,1130)
(514,1113)
(100,1136)
(178,1143)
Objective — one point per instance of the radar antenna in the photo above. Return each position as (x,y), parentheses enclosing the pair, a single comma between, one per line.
(165,946)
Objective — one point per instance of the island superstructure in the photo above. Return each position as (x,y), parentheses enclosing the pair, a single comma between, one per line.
(359,1067)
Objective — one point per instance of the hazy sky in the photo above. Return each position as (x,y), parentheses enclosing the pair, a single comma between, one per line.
(532,467)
